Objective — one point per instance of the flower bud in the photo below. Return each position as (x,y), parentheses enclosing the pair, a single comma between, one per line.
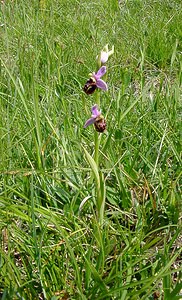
(105,53)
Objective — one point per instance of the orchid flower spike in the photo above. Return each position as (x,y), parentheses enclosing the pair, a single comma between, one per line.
(105,53)
(97,119)
(95,82)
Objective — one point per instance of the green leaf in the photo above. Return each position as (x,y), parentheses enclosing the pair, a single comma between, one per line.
(93,166)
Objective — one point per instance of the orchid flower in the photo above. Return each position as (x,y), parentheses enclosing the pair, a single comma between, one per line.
(97,119)
(105,53)
(95,81)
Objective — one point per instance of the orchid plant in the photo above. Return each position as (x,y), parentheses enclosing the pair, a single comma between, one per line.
(96,84)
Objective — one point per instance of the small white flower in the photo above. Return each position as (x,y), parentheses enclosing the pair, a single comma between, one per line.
(105,53)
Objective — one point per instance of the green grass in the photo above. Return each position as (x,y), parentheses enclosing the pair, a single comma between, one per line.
(51,244)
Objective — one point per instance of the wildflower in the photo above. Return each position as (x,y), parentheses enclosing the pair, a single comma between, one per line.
(105,53)
(95,82)
(97,119)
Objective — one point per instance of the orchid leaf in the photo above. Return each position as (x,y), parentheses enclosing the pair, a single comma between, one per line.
(93,167)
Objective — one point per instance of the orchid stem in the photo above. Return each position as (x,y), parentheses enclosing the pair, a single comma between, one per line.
(96,134)
(96,155)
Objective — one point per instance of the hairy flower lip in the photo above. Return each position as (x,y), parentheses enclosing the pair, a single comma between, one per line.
(90,86)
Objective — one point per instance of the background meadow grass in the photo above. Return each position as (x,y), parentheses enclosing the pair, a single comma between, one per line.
(51,248)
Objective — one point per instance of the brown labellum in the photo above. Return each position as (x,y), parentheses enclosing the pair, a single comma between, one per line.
(90,86)
(100,124)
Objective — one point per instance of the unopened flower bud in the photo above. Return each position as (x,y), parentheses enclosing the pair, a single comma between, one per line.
(105,53)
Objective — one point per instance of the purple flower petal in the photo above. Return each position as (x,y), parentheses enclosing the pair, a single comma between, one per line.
(100,73)
(90,122)
(104,57)
(95,114)
(95,111)
(101,84)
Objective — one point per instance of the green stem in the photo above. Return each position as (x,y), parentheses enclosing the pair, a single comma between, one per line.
(97,98)
(96,154)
